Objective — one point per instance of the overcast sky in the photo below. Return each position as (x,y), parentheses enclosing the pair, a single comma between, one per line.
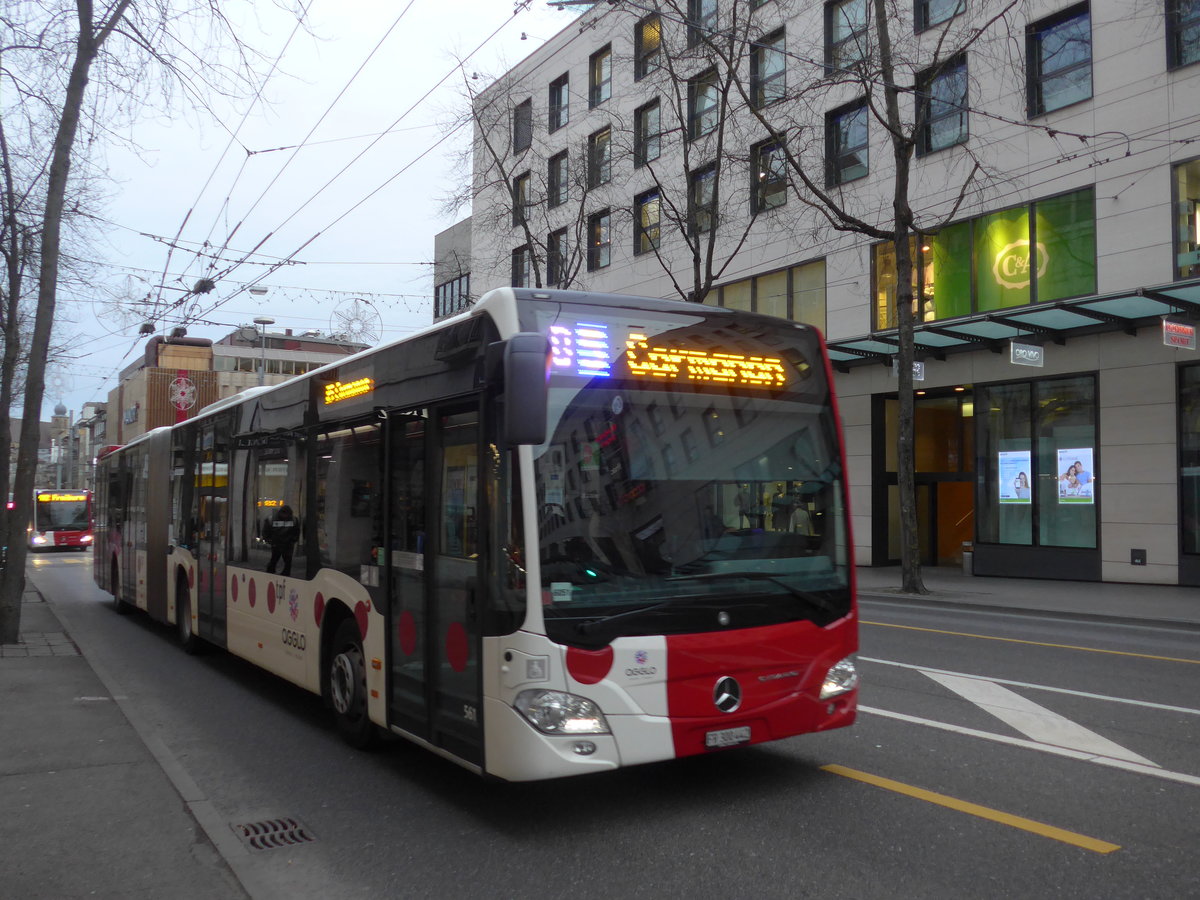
(368,234)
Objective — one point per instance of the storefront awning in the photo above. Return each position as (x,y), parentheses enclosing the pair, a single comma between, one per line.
(1054,322)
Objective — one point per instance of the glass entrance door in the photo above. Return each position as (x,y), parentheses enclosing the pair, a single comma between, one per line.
(944,456)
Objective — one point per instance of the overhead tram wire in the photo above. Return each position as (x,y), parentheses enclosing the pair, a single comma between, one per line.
(233,138)
(304,141)
(226,272)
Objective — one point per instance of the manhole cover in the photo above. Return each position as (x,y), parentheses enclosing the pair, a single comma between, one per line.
(271,833)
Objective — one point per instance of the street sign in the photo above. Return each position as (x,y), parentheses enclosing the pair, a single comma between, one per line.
(1180,335)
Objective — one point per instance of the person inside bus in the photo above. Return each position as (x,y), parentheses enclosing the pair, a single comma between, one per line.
(282,533)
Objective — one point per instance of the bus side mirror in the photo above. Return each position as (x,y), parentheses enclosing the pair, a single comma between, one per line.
(526,392)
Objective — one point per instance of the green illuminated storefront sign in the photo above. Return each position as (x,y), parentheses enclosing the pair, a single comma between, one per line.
(1027,254)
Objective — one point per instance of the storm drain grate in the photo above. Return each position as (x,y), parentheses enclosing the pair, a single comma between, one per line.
(272,833)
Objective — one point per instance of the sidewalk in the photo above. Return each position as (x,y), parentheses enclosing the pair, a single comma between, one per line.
(1145,603)
(85,808)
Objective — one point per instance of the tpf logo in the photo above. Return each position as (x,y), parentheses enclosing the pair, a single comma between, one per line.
(1013,264)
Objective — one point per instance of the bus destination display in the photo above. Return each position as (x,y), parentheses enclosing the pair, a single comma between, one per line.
(586,349)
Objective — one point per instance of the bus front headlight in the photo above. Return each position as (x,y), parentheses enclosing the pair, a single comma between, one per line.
(840,679)
(39,539)
(86,539)
(557,712)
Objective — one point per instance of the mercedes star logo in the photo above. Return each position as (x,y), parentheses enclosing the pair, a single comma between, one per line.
(727,695)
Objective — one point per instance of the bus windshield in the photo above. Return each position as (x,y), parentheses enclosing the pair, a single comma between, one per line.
(61,513)
(670,506)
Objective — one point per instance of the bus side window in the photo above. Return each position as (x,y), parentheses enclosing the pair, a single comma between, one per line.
(348,507)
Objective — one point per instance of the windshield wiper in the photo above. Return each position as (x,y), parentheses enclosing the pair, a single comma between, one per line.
(808,597)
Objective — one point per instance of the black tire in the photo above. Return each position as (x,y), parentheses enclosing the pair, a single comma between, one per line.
(348,687)
(118,604)
(188,639)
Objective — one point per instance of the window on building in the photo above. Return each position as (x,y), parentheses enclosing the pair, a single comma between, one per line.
(647,137)
(522,135)
(768,69)
(703,103)
(647,214)
(702,199)
(796,293)
(928,13)
(1187,219)
(599,240)
(600,76)
(846,143)
(702,20)
(556,180)
(1039,482)
(1183,32)
(1189,457)
(600,158)
(1027,254)
(520,198)
(451,296)
(556,258)
(846,36)
(647,40)
(1059,60)
(560,102)
(522,267)
(942,107)
(770,173)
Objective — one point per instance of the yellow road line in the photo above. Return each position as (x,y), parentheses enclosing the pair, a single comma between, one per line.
(974,809)
(989,637)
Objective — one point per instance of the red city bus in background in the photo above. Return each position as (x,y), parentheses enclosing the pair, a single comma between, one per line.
(62,520)
(559,533)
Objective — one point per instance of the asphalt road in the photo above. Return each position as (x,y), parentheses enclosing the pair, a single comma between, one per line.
(997,755)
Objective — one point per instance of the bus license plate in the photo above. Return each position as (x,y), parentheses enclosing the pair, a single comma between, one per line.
(727,737)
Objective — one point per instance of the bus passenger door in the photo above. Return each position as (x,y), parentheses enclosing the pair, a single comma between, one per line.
(433,577)
(455,582)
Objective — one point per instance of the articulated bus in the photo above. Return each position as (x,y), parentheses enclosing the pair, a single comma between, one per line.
(558,533)
(62,520)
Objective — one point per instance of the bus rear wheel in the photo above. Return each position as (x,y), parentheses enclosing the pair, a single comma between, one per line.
(348,687)
(188,639)
(118,603)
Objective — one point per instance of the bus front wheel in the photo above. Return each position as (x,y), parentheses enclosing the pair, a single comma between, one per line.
(348,687)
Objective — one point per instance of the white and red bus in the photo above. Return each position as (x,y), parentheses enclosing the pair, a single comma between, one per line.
(62,520)
(558,533)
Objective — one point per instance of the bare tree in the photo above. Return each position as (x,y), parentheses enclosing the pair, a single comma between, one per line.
(119,48)
(901,82)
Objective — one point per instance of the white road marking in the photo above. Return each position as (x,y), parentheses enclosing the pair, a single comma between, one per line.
(1038,687)
(1034,745)
(1034,721)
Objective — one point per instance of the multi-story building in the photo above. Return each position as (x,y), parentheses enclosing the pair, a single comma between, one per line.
(740,152)
(178,376)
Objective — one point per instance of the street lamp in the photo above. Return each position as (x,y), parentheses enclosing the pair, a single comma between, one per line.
(264,321)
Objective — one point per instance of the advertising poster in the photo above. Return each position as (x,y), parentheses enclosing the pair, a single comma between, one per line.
(1015,472)
(1076,475)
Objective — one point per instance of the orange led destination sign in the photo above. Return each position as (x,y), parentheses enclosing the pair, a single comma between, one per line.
(345,390)
(58,498)
(702,366)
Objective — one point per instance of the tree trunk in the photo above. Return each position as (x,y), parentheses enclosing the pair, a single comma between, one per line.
(902,151)
(12,580)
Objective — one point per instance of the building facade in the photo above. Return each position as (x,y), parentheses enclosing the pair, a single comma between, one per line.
(741,154)
(178,376)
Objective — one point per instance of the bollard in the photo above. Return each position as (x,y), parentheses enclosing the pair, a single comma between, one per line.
(968,555)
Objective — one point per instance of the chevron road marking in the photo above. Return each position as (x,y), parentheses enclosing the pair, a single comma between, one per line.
(1035,721)
(1165,707)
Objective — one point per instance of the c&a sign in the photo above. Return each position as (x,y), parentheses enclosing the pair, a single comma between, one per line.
(1015,263)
